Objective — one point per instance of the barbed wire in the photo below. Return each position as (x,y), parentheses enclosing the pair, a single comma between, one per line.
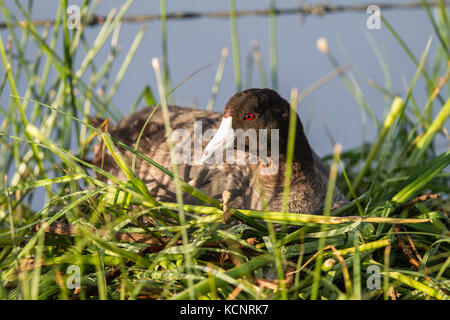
(302,10)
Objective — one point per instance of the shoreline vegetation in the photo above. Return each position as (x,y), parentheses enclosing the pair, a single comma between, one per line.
(88,241)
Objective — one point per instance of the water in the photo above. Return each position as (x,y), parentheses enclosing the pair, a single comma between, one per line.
(198,42)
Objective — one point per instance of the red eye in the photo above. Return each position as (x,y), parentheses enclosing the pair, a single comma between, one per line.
(249,117)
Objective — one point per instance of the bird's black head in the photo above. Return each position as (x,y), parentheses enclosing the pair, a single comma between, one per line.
(263,109)
(258,109)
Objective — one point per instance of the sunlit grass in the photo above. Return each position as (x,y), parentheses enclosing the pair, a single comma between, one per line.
(396,219)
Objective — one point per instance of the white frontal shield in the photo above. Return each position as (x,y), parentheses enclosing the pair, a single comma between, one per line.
(222,140)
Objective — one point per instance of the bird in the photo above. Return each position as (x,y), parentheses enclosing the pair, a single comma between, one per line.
(256,182)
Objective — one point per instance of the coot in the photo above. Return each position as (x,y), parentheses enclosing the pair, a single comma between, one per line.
(250,183)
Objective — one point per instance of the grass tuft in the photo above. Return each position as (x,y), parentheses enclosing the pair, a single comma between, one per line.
(59,213)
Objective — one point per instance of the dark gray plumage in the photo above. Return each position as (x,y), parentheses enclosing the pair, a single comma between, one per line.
(269,110)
